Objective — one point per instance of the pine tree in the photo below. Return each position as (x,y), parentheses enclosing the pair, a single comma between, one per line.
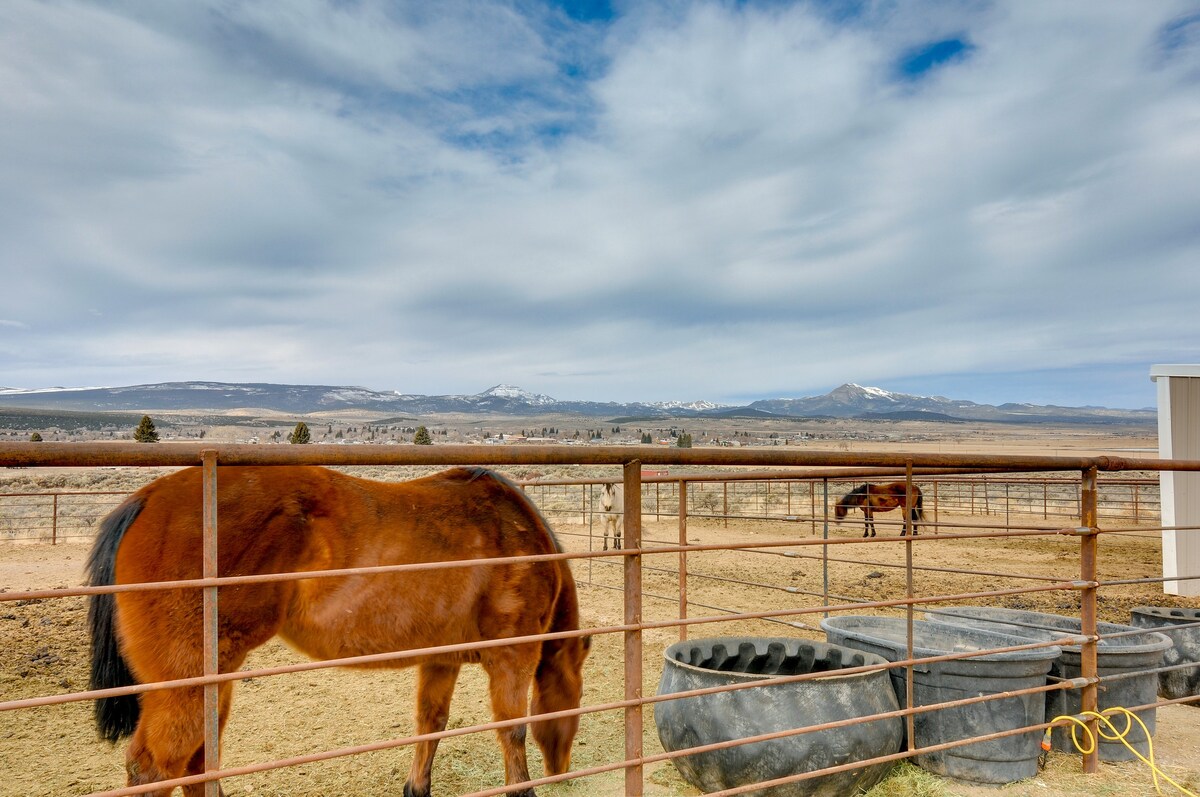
(421,437)
(300,435)
(145,432)
(36,437)
(684,440)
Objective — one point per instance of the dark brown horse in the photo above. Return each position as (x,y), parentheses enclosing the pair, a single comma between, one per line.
(872,498)
(280,519)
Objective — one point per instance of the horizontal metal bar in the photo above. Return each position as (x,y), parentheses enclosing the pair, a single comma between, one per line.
(57,454)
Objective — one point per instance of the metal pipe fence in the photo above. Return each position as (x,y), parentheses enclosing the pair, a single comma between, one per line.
(56,515)
(725,497)
(664,571)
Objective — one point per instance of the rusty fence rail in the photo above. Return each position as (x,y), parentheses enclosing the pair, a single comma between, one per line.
(637,578)
(55,515)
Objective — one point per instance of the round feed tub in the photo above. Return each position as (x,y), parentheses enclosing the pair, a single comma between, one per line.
(1119,656)
(1002,760)
(724,716)
(1182,627)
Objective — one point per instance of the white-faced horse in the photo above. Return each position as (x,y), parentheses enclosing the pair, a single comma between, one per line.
(612,505)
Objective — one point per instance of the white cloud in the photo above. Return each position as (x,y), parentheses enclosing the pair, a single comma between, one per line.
(692,201)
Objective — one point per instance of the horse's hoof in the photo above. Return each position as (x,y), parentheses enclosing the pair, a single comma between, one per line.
(409,791)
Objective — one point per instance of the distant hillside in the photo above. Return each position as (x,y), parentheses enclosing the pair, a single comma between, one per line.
(847,401)
(36,419)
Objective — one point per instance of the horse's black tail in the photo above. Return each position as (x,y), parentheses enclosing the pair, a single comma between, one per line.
(918,509)
(116,717)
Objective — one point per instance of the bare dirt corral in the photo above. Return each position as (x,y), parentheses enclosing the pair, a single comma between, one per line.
(54,751)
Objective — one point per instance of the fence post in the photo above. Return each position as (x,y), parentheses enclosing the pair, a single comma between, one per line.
(812,499)
(825,546)
(937,529)
(1087,605)
(1007,500)
(54,522)
(633,616)
(682,558)
(212,743)
(908,586)
(589,518)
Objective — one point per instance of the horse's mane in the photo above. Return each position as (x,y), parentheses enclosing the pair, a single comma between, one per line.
(856,496)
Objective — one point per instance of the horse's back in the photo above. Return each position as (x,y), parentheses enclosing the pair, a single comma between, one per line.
(305,517)
(278,519)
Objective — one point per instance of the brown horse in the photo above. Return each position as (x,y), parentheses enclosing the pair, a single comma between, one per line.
(279,519)
(872,498)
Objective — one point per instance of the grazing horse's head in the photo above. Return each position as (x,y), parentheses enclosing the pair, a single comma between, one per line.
(559,687)
(839,511)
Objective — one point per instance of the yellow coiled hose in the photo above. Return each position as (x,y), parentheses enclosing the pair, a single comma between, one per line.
(1109,732)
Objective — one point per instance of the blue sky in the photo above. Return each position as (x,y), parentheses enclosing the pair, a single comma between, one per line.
(603,200)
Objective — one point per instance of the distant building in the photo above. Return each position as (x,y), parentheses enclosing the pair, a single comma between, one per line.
(1179,438)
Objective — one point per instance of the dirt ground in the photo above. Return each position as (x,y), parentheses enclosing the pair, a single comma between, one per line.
(54,751)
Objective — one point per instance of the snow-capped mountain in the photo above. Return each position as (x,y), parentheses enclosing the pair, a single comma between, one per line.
(851,400)
(697,406)
(847,401)
(856,401)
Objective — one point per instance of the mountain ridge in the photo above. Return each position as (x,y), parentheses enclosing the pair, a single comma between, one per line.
(846,401)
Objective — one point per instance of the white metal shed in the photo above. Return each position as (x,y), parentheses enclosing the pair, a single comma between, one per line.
(1179,438)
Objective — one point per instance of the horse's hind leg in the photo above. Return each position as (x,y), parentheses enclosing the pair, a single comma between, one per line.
(169,740)
(196,765)
(435,687)
(510,672)
(170,731)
